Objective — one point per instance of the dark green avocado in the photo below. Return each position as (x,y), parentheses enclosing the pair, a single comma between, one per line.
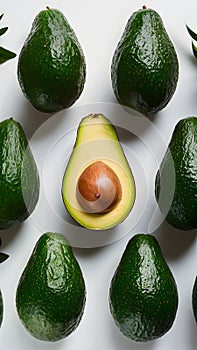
(194,299)
(51,65)
(179,165)
(19,178)
(144,69)
(143,295)
(1,308)
(51,293)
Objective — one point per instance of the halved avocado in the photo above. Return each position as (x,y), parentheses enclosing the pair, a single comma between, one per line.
(98,173)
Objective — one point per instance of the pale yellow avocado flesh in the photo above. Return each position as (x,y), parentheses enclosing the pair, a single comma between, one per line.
(97,140)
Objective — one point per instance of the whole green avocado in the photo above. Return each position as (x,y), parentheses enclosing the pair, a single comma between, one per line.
(51,293)
(143,295)
(179,167)
(19,178)
(51,65)
(145,68)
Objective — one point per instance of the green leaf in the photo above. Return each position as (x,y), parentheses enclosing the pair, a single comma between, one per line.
(3,30)
(5,55)
(191,33)
(194,49)
(3,257)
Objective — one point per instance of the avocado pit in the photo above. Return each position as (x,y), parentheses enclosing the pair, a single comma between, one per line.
(98,189)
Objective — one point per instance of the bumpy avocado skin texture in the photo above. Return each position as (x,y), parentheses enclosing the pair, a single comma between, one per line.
(1,308)
(19,178)
(51,294)
(143,296)
(183,151)
(194,299)
(51,65)
(144,69)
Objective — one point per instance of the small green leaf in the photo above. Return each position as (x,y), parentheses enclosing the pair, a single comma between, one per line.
(3,257)
(3,30)
(191,33)
(5,55)
(194,49)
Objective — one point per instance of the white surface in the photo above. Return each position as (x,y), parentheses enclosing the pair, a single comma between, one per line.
(98,26)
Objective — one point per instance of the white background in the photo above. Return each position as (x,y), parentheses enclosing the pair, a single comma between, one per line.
(99,26)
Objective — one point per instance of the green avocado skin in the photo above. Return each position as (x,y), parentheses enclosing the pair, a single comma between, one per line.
(19,178)
(51,294)
(180,162)
(1,308)
(194,299)
(51,65)
(143,295)
(145,68)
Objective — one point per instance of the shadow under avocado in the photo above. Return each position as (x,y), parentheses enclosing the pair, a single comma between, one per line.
(10,234)
(32,119)
(169,236)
